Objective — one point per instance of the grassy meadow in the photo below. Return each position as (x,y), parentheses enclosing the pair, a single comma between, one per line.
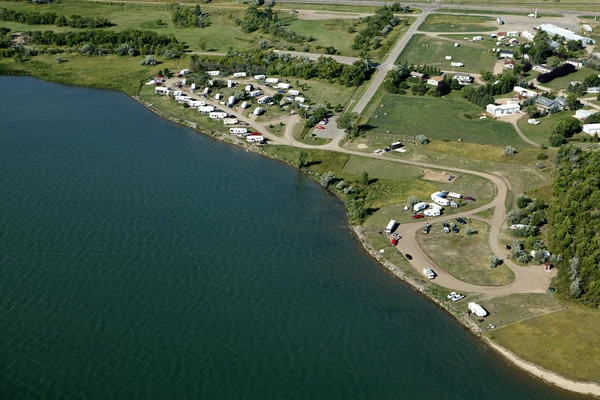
(457,23)
(432,51)
(540,133)
(567,342)
(563,82)
(466,257)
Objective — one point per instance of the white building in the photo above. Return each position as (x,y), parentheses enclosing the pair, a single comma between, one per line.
(258,77)
(565,33)
(218,96)
(299,99)
(238,131)
(184,72)
(283,85)
(239,74)
(521,91)
(503,109)
(591,129)
(595,89)
(448,57)
(214,73)
(249,87)
(182,99)
(264,100)
(217,115)
(434,206)
(257,111)
(457,64)
(477,38)
(196,103)
(463,79)
(390,226)
(255,93)
(245,105)
(294,92)
(255,137)
(420,206)
(178,93)
(272,80)
(231,100)
(206,109)
(438,194)
(582,114)
(230,83)
(477,309)
(162,90)
(230,121)
(455,195)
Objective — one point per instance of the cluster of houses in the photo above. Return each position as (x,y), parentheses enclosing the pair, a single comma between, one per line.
(439,201)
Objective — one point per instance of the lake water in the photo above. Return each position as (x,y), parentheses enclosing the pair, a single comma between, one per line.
(141,260)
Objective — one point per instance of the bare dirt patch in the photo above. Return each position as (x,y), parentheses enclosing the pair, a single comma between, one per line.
(437,176)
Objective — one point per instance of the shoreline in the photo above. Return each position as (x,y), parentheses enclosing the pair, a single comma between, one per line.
(553,378)
(586,388)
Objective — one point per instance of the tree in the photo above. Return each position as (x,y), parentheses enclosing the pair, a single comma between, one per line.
(523,200)
(556,140)
(510,151)
(349,122)
(471,231)
(421,139)
(277,98)
(494,261)
(364,179)
(515,216)
(263,44)
(573,102)
(566,127)
(302,159)
(443,88)
(412,200)
(327,178)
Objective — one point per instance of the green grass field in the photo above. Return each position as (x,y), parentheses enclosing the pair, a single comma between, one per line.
(562,83)
(495,12)
(541,132)
(463,256)
(439,119)
(457,23)
(109,72)
(432,51)
(567,342)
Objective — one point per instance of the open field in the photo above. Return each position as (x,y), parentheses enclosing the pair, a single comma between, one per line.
(563,82)
(495,12)
(466,257)
(432,51)
(110,72)
(329,32)
(567,342)
(439,119)
(457,23)
(504,311)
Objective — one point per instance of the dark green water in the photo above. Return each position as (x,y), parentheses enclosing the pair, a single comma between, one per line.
(139,260)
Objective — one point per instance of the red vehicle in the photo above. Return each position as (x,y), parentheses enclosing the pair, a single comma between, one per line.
(319,127)
(470,198)
(394,242)
(417,216)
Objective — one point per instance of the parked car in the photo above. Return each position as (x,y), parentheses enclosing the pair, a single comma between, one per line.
(408,256)
(322,123)
(470,198)
(378,151)
(461,220)
(417,216)
(427,225)
(281,91)
(452,224)
(445,224)
(387,149)
(319,127)
(426,230)
(455,229)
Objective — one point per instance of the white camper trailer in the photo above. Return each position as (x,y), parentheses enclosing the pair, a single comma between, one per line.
(390,226)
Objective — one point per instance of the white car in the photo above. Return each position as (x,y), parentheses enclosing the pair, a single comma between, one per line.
(378,151)
(323,123)
(456,296)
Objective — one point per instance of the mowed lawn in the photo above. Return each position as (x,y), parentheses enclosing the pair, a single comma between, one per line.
(567,342)
(540,133)
(563,82)
(457,23)
(465,257)
(432,51)
(439,119)
(328,32)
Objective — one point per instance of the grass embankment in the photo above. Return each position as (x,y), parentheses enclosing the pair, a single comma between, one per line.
(465,257)
(432,51)
(540,133)
(457,23)
(109,72)
(567,342)
(495,12)
(562,82)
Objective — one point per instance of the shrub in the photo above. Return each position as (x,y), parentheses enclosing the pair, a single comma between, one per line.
(542,156)
(327,178)
(421,139)
(494,261)
(149,60)
(412,200)
(510,151)
(471,231)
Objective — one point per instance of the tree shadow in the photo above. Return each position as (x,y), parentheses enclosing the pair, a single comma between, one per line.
(311,163)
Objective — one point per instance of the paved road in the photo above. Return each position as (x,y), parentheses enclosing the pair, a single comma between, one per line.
(388,64)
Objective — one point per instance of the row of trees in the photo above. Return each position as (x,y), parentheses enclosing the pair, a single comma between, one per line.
(267,21)
(50,18)
(574,224)
(377,27)
(484,95)
(563,130)
(187,17)
(540,51)
(100,42)
(557,72)
(580,89)
(270,63)
(396,80)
